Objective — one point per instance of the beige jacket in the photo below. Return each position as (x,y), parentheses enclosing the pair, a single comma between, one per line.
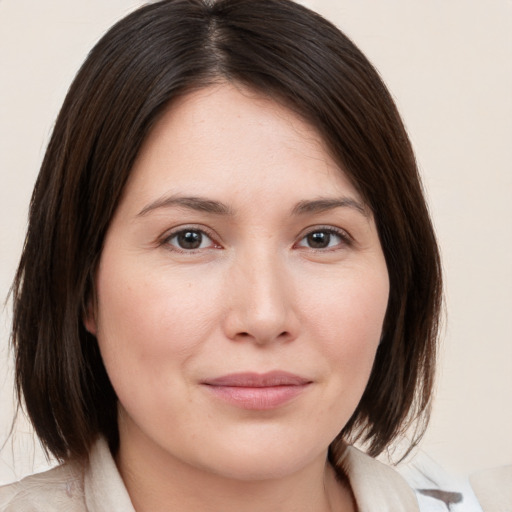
(99,487)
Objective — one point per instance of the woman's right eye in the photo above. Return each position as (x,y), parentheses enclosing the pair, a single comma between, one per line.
(190,240)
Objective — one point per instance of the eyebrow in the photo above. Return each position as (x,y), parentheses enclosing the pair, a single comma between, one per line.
(193,203)
(324,204)
(218,208)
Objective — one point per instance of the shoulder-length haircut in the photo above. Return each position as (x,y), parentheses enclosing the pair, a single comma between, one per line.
(157,53)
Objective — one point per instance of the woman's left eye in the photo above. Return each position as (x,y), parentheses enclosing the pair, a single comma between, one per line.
(189,240)
(323,239)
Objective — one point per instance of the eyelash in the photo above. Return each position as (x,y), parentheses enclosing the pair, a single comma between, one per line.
(345,238)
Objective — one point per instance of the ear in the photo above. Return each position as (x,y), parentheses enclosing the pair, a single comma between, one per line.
(89,316)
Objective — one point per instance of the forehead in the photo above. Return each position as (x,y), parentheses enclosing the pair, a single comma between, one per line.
(227,138)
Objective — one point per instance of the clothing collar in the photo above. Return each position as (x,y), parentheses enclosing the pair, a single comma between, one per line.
(376,487)
(104,488)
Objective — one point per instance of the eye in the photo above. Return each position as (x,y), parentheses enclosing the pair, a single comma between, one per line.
(189,239)
(326,238)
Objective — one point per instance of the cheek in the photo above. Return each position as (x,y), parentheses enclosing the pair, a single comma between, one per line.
(149,329)
(146,321)
(349,308)
(346,319)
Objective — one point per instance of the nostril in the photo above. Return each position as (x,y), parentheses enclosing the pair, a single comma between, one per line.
(283,336)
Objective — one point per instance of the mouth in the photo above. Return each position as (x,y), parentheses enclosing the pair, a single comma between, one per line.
(254,391)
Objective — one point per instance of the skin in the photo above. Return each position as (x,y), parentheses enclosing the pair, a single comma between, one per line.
(259,293)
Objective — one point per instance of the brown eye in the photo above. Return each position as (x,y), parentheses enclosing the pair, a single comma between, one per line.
(324,239)
(319,240)
(189,240)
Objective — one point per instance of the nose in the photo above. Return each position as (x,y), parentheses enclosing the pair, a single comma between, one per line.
(261,305)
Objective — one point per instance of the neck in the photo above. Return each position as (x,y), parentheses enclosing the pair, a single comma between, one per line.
(158,482)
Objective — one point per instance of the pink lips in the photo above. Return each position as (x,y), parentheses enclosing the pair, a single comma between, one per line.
(257,391)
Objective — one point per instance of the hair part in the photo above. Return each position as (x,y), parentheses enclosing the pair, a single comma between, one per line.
(156,54)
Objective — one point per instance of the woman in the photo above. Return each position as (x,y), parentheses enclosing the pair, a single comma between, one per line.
(229,275)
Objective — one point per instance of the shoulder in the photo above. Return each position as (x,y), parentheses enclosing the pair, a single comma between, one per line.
(376,486)
(72,487)
(57,490)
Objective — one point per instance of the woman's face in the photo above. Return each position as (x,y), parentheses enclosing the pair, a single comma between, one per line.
(241,290)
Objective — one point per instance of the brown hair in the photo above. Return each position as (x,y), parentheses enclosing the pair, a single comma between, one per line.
(155,54)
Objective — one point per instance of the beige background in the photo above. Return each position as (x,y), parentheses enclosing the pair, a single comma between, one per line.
(448,64)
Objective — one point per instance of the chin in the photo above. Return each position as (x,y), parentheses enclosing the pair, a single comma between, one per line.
(257,462)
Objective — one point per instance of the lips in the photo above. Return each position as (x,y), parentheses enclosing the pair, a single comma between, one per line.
(256,391)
